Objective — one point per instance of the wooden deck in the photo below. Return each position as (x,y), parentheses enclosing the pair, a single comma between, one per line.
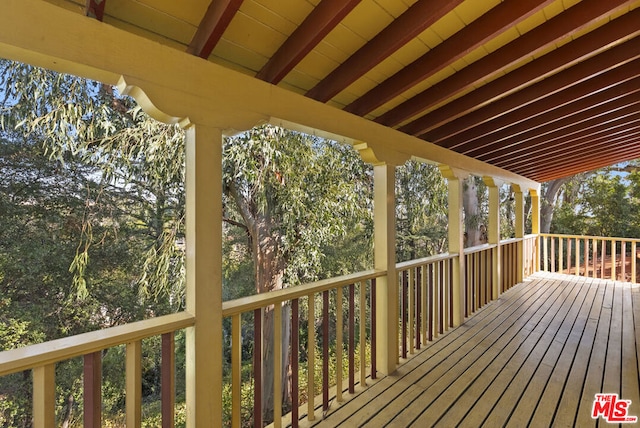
(537,356)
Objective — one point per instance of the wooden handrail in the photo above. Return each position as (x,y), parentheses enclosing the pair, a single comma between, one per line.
(42,354)
(257,301)
(605,238)
(424,261)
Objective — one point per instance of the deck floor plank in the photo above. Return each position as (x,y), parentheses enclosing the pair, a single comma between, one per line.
(561,396)
(535,357)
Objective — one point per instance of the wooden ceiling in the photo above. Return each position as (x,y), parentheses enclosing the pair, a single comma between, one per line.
(542,88)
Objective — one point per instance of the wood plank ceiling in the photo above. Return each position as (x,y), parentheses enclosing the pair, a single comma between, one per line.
(542,88)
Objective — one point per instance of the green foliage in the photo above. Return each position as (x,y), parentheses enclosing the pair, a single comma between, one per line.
(421,211)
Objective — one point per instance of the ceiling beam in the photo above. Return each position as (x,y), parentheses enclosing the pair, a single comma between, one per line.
(616,31)
(95,9)
(215,21)
(610,133)
(598,157)
(403,29)
(322,19)
(497,20)
(609,68)
(598,104)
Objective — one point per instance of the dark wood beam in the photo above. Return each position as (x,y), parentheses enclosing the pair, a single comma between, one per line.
(218,16)
(572,140)
(601,103)
(616,31)
(497,20)
(313,29)
(597,157)
(607,69)
(610,133)
(403,29)
(95,9)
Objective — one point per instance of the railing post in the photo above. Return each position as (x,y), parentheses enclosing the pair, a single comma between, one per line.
(493,232)
(519,229)
(204,280)
(456,239)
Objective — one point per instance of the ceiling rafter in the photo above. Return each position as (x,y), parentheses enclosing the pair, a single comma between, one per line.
(574,135)
(567,55)
(593,106)
(95,9)
(497,20)
(217,18)
(594,158)
(609,68)
(407,26)
(599,142)
(322,19)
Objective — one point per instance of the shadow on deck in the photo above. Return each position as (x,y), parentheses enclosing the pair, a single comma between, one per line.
(536,356)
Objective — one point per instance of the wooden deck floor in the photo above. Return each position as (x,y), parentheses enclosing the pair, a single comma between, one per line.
(537,356)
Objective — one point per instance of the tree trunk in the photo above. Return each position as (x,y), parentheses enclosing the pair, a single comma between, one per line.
(472,223)
(68,412)
(269,265)
(549,203)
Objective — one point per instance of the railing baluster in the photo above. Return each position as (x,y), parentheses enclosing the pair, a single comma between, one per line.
(134,384)
(411,301)
(560,254)
(569,255)
(363,333)
(277,365)
(594,257)
(577,257)
(586,257)
(92,390)
(44,396)
(325,351)
(633,262)
(553,254)
(419,307)
(339,344)
(257,368)
(295,346)
(449,287)
(614,258)
(623,260)
(373,329)
(403,312)
(168,373)
(425,304)
(352,327)
(311,359)
(236,369)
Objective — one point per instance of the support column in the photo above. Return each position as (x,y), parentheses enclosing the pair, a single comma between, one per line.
(519,229)
(204,279)
(384,258)
(493,232)
(384,229)
(535,225)
(455,180)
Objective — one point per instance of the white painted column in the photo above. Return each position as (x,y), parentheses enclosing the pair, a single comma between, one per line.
(455,180)
(204,279)
(493,231)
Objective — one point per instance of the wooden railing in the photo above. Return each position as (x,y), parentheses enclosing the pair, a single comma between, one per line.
(42,358)
(337,319)
(267,311)
(478,277)
(592,256)
(425,300)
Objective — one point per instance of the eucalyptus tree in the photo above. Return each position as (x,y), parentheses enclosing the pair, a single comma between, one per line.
(294,195)
(421,211)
